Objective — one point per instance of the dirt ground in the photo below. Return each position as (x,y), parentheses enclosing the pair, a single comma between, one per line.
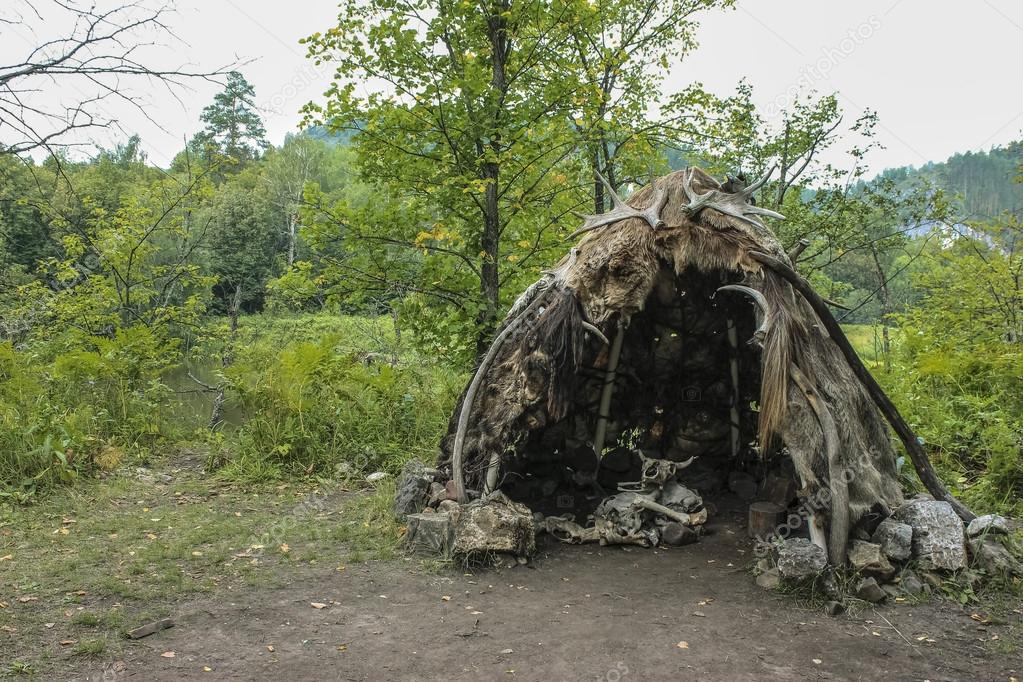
(574,613)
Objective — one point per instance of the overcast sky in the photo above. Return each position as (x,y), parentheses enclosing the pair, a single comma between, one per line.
(939,73)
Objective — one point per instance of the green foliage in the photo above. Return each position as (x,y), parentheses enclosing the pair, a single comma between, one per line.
(479,127)
(960,368)
(88,340)
(314,408)
(234,129)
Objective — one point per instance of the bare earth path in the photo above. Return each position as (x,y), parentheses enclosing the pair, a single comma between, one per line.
(575,613)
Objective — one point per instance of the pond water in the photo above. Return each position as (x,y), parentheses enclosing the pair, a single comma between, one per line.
(191,404)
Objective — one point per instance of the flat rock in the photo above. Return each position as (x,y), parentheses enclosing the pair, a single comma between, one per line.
(867,558)
(800,558)
(987,525)
(769,579)
(939,541)
(495,524)
(895,539)
(432,533)
(151,628)
(868,590)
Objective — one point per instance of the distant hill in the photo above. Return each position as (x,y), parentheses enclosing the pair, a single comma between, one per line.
(337,139)
(984,182)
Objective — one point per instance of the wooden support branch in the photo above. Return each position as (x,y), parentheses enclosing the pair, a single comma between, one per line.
(606,391)
(733,367)
(909,440)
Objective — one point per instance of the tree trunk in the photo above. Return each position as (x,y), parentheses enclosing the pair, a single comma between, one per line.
(490,283)
(226,360)
(598,188)
(886,309)
(292,238)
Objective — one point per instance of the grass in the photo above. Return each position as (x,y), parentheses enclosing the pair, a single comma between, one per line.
(87,565)
(866,340)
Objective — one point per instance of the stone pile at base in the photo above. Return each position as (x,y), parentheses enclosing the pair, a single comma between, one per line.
(915,550)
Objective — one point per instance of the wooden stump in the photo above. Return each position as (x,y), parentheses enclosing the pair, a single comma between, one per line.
(764,518)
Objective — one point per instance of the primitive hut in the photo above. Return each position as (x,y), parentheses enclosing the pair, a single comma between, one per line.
(677,328)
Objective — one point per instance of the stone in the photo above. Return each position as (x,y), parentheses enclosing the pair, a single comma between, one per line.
(868,590)
(991,554)
(800,558)
(938,538)
(834,608)
(743,485)
(449,507)
(989,524)
(895,539)
(911,584)
(707,481)
(933,580)
(438,493)
(769,579)
(495,524)
(430,534)
(412,490)
(867,558)
(376,477)
(619,460)
(677,534)
(892,591)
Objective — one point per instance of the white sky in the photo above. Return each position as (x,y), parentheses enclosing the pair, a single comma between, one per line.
(938,72)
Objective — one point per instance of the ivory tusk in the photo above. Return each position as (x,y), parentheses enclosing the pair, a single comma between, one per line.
(592,329)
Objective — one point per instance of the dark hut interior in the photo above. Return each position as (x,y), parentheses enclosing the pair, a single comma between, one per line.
(685,389)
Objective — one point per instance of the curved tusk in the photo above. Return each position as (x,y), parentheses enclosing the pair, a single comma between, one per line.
(596,332)
(838,486)
(761,333)
(470,397)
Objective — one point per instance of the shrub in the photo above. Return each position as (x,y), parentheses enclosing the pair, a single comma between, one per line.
(311,407)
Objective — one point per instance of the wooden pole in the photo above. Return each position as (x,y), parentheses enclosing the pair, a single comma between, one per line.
(607,390)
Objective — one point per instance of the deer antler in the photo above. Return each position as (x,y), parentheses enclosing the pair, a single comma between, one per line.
(734,204)
(651,214)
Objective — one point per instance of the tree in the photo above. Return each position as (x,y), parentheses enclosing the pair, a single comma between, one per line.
(286,171)
(619,52)
(464,125)
(234,129)
(101,53)
(242,242)
(961,359)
